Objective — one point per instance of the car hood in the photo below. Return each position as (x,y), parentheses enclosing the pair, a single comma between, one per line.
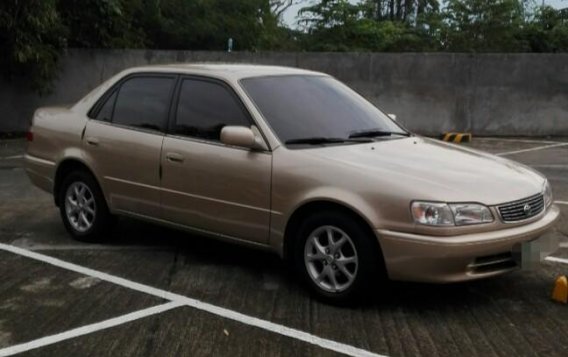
(433,170)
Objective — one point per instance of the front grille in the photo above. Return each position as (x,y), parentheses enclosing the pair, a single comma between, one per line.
(522,209)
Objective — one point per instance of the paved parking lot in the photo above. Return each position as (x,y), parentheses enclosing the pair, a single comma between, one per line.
(155,291)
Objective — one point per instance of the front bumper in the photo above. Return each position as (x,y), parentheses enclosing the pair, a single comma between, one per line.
(412,257)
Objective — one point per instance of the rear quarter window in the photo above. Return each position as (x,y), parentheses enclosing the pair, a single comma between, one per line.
(105,113)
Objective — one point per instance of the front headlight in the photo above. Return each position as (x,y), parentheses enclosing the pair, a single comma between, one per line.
(547,193)
(443,214)
(471,213)
(432,214)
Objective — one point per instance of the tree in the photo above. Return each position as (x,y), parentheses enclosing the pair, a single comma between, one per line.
(275,35)
(278,7)
(101,23)
(400,10)
(31,37)
(482,25)
(208,24)
(338,25)
(330,25)
(329,14)
(547,31)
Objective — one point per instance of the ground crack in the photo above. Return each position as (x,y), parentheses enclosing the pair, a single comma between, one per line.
(173,270)
(155,326)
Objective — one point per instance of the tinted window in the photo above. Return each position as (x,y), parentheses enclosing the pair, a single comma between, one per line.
(298,107)
(143,102)
(105,114)
(205,107)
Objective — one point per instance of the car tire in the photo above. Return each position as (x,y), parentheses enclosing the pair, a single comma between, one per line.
(348,269)
(83,208)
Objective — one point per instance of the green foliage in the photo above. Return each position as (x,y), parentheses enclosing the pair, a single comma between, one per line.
(547,32)
(399,10)
(482,25)
(424,25)
(208,24)
(101,23)
(31,37)
(338,25)
(275,37)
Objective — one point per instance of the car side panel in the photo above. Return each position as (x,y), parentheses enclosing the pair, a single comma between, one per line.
(127,164)
(217,188)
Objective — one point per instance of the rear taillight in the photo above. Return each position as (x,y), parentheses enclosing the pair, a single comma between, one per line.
(29,136)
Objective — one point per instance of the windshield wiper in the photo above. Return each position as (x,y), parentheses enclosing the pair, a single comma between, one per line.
(375,133)
(322,140)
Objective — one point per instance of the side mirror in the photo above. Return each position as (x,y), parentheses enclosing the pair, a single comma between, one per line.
(239,136)
(392,116)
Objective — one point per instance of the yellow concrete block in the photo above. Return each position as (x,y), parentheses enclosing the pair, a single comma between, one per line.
(457,137)
(560,292)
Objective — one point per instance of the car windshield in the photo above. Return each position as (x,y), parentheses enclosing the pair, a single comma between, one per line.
(300,108)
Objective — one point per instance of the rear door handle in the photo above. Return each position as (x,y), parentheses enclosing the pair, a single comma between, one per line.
(174,157)
(92,141)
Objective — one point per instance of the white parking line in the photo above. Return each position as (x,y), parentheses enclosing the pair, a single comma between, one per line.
(557,260)
(84,330)
(110,248)
(522,140)
(197,304)
(561,202)
(532,149)
(550,166)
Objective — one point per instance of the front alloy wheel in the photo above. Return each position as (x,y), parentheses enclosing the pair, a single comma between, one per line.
(337,257)
(331,259)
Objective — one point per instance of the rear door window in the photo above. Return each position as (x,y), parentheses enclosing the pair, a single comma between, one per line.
(143,102)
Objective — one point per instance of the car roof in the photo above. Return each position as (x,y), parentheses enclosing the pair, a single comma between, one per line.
(226,70)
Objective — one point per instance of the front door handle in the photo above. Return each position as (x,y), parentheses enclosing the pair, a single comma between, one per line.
(92,141)
(174,157)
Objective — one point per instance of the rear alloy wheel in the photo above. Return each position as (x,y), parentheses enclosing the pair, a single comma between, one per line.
(337,258)
(83,208)
(80,206)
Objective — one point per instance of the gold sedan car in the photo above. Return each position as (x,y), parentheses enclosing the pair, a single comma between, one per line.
(291,161)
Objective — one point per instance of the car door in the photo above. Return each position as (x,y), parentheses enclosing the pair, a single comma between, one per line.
(123,142)
(208,185)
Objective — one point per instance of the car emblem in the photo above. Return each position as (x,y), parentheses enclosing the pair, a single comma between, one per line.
(527,209)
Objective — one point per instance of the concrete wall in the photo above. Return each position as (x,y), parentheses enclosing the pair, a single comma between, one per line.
(489,94)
